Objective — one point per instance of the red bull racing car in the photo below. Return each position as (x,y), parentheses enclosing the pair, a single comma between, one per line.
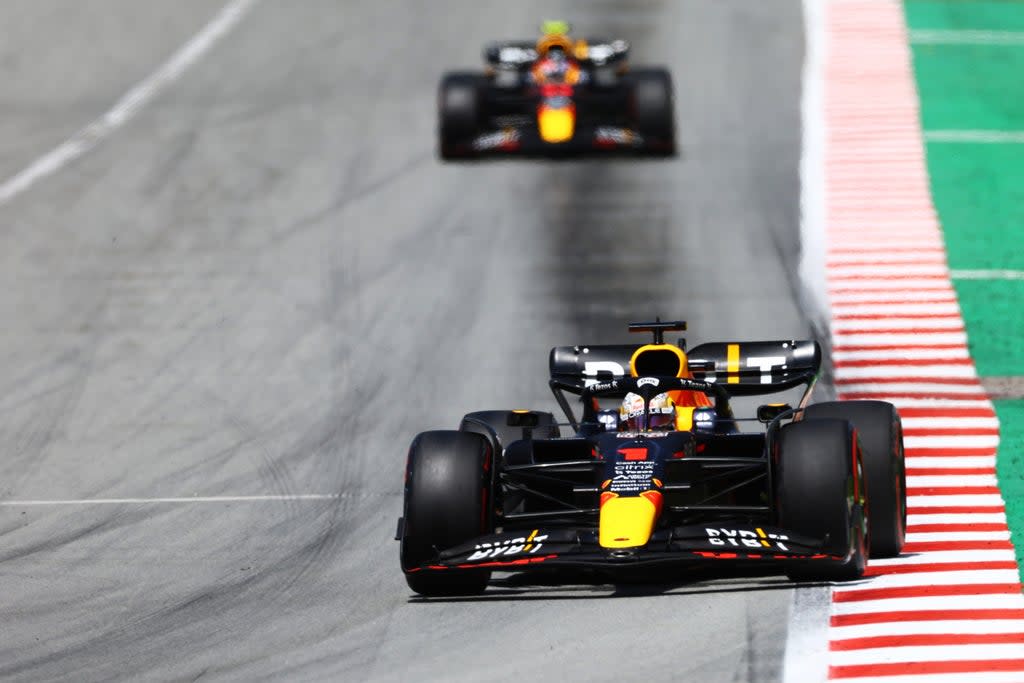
(558,97)
(671,478)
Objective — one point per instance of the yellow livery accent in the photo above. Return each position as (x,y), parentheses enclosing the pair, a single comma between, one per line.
(684,418)
(627,522)
(556,125)
(732,363)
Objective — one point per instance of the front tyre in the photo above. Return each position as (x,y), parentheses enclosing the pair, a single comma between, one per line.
(652,106)
(447,493)
(459,113)
(820,493)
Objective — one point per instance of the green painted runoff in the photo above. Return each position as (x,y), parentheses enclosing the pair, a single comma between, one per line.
(978,190)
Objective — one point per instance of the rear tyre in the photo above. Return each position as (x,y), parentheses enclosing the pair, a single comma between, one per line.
(819,493)
(652,105)
(881,439)
(459,113)
(447,492)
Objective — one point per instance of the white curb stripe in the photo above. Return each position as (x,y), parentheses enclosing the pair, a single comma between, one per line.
(935,653)
(930,602)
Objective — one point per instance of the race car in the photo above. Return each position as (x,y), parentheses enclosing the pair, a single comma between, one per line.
(672,479)
(556,97)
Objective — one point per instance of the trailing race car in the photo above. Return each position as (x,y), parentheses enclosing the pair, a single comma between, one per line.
(557,97)
(668,479)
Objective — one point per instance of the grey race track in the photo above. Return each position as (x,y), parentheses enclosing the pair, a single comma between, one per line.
(266,285)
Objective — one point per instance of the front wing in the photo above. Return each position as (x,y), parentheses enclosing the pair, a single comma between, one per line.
(525,141)
(539,548)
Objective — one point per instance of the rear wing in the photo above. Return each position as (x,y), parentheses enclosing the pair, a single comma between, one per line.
(744,368)
(521,54)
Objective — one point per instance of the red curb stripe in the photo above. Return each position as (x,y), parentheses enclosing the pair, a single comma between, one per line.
(916,411)
(926,615)
(868,594)
(950,299)
(887,379)
(879,570)
(925,639)
(925,452)
(933,546)
(951,490)
(909,668)
(889,395)
(950,431)
(897,316)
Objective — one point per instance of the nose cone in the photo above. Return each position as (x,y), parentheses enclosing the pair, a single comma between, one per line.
(628,522)
(556,125)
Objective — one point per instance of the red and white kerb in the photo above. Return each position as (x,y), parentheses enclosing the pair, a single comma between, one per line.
(950,608)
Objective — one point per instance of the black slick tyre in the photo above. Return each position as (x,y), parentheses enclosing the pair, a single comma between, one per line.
(652,106)
(458,111)
(447,493)
(819,493)
(880,432)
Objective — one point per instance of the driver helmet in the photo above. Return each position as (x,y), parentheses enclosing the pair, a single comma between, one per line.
(660,417)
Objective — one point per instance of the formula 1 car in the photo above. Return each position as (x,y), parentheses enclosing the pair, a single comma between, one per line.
(507,492)
(557,97)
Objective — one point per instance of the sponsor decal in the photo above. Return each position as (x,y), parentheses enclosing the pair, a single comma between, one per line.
(704,417)
(501,138)
(616,136)
(745,538)
(634,453)
(646,435)
(645,381)
(516,55)
(766,363)
(632,476)
(526,545)
(592,367)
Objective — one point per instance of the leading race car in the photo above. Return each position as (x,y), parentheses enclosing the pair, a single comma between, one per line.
(556,97)
(669,478)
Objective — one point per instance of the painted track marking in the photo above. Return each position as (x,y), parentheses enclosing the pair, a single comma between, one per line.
(991,137)
(965,37)
(129,104)
(172,499)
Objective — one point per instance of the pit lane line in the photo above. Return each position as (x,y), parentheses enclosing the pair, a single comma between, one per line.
(130,103)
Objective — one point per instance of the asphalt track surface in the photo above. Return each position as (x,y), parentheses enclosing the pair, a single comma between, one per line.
(266,284)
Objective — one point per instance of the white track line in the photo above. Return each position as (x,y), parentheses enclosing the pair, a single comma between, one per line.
(177,499)
(965,37)
(130,104)
(806,653)
(985,137)
(987,274)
